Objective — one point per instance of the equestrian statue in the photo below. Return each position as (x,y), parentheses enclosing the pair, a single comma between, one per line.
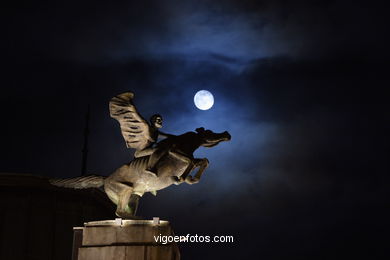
(156,165)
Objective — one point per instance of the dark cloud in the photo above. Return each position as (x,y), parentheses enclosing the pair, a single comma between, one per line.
(245,30)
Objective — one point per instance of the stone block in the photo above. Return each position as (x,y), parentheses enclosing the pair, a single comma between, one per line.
(125,240)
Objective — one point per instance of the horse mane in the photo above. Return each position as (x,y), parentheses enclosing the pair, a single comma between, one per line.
(174,138)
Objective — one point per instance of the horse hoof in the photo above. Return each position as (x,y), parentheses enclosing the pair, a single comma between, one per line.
(194,180)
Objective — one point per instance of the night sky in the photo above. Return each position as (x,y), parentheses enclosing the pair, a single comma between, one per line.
(299,86)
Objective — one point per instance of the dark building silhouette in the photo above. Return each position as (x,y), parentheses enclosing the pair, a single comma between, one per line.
(37,219)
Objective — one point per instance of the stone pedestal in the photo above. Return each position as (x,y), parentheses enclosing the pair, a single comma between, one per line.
(123,240)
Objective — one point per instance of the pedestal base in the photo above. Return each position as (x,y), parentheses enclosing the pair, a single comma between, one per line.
(123,240)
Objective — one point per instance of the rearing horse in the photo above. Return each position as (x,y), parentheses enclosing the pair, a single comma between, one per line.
(128,183)
(172,159)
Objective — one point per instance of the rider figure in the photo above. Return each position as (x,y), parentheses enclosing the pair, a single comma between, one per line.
(155,124)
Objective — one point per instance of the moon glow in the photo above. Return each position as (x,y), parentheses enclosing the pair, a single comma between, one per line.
(203,99)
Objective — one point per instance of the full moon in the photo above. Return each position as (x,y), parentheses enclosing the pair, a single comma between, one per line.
(203,99)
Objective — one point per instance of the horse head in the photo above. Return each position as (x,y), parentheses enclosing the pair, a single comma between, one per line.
(188,142)
(209,139)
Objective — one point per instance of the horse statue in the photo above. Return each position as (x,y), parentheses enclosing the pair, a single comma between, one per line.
(172,159)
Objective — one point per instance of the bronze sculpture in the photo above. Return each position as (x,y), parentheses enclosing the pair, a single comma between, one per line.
(155,166)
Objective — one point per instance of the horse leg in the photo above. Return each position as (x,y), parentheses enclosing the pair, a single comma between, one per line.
(186,160)
(184,176)
(123,210)
(202,164)
(133,203)
(127,204)
(120,194)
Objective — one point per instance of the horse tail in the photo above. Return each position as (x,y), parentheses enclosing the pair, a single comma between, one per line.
(83,182)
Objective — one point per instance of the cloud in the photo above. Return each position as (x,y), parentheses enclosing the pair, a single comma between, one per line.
(244,31)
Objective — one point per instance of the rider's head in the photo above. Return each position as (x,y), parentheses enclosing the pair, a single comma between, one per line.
(156,120)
